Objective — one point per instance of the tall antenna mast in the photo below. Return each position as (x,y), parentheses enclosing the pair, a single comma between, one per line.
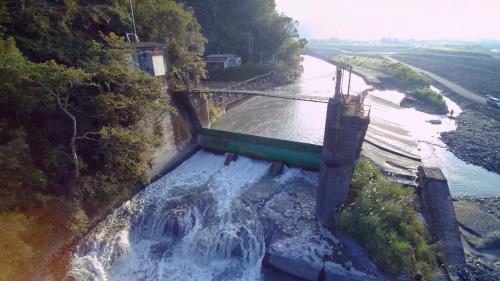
(133,19)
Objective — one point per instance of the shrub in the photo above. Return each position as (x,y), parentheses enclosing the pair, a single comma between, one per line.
(383,220)
(406,75)
(240,73)
(432,99)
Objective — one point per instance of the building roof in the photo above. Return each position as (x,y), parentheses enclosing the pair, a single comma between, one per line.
(212,56)
(140,46)
(217,59)
(147,45)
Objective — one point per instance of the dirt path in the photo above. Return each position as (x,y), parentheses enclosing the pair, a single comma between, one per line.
(452,86)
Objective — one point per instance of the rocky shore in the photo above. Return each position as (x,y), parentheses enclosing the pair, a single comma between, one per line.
(476,140)
(479,220)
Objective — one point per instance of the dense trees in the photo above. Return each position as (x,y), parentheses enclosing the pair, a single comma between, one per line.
(72,118)
(252,29)
(73,115)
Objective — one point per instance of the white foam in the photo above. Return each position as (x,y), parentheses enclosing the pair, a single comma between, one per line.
(132,243)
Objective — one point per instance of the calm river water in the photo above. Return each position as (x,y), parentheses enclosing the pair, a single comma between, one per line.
(403,129)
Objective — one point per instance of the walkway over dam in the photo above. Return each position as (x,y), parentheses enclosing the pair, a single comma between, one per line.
(345,128)
(261,94)
(346,125)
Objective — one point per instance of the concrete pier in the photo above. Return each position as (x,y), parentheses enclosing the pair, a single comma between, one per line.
(345,129)
(440,213)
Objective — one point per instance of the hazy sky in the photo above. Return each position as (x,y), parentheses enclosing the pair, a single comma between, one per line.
(404,19)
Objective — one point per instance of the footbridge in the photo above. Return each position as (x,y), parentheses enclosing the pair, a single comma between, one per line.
(345,128)
(271,94)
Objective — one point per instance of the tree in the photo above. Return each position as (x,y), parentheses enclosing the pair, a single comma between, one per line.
(248,27)
(61,82)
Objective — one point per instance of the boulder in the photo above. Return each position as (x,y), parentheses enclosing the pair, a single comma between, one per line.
(286,259)
(336,272)
(480,229)
(276,169)
(230,157)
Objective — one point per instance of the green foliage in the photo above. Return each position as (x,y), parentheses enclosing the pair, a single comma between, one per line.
(432,99)
(78,220)
(240,73)
(408,76)
(66,31)
(288,60)
(124,152)
(55,62)
(383,220)
(229,26)
(22,183)
(168,22)
(364,173)
(404,74)
(363,61)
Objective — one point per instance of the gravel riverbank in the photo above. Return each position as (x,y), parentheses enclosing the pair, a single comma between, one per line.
(476,140)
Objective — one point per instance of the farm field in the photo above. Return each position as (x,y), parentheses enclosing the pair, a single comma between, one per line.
(480,74)
(473,67)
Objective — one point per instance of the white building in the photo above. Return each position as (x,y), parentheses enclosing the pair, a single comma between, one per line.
(222,61)
(150,57)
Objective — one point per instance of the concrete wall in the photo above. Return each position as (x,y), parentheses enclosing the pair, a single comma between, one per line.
(289,152)
(175,145)
(439,211)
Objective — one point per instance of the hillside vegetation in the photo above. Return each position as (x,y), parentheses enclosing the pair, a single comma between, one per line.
(77,125)
(72,137)
(238,26)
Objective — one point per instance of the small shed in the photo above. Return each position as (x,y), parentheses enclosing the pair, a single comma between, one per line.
(222,61)
(150,57)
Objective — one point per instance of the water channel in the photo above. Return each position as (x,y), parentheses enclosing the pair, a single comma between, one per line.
(402,129)
(208,221)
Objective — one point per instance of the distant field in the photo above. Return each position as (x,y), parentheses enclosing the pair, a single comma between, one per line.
(474,68)
(480,74)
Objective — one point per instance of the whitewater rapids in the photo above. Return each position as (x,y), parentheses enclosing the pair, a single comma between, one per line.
(189,225)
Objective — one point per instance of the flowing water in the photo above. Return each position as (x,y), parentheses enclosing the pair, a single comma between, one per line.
(182,227)
(205,221)
(195,223)
(401,129)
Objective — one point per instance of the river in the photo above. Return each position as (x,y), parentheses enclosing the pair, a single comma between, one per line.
(207,221)
(402,129)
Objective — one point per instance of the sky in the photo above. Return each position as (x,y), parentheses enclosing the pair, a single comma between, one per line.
(402,19)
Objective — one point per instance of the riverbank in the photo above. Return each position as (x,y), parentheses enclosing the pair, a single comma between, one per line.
(476,140)
(478,267)
(480,230)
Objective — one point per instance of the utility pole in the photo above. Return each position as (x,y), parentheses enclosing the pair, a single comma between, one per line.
(133,18)
(251,42)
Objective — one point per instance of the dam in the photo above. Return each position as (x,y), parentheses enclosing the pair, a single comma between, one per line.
(210,221)
(230,216)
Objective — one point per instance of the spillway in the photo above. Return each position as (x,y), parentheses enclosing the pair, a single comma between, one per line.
(196,223)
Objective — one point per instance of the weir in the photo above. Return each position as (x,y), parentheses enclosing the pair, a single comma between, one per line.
(345,129)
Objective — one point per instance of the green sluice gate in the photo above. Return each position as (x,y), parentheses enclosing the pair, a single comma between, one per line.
(289,152)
